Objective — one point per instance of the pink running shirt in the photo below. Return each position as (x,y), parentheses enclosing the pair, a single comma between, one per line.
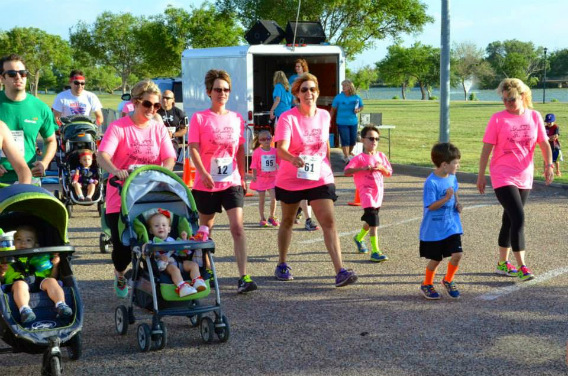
(266,165)
(219,138)
(129,145)
(514,138)
(370,183)
(308,136)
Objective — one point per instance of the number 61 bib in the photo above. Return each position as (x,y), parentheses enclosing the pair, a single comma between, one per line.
(311,169)
(221,169)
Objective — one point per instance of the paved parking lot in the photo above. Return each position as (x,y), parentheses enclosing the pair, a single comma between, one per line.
(380,326)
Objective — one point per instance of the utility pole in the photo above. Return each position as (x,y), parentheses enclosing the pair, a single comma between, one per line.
(445,74)
(544,81)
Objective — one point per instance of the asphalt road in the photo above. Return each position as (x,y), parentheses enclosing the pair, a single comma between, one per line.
(380,326)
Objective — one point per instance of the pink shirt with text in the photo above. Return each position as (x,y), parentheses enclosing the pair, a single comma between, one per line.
(129,145)
(514,138)
(266,165)
(308,136)
(370,183)
(219,138)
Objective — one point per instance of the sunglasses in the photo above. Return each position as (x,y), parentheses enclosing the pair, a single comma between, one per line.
(168,98)
(82,83)
(220,90)
(149,104)
(510,100)
(265,139)
(13,73)
(372,139)
(313,89)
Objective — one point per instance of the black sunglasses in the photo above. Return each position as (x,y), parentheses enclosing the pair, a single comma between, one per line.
(222,90)
(149,104)
(373,139)
(82,83)
(313,89)
(13,73)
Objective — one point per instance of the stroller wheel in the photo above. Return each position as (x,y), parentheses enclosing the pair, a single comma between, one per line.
(222,329)
(121,320)
(144,337)
(69,208)
(103,243)
(160,340)
(207,329)
(75,347)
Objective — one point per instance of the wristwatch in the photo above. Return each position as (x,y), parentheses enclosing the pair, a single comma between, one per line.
(549,165)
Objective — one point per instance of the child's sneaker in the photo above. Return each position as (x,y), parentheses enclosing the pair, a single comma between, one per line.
(264,223)
(345,277)
(361,247)
(120,286)
(525,273)
(199,284)
(506,268)
(185,289)
(246,284)
(298,216)
(282,272)
(27,316)
(310,225)
(378,257)
(429,292)
(451,288)
(64,311)
(274,221)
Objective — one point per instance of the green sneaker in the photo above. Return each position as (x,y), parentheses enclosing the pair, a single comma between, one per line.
(121,287)
(506,268)
(525,273)
(246,284)
(378,257)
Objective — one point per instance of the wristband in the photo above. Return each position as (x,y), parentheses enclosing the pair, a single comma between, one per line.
(549,165)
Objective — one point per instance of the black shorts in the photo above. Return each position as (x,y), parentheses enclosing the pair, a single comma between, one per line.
(33,282)
(442,248)
(317,193)
(211,202)
(371,216)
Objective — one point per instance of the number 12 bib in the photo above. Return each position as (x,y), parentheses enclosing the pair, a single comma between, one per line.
(221,169)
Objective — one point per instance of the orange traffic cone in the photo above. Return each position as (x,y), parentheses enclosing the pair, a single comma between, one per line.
(188,173)
(357,201)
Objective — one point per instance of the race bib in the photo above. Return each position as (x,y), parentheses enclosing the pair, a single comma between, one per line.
(19,141)
(268,163)
(221,169)
(311,169)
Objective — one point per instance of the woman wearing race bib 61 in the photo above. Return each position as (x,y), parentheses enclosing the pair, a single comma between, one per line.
(302,136)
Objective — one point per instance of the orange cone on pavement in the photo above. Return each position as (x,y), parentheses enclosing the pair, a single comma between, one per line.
(188,173)
(357,200)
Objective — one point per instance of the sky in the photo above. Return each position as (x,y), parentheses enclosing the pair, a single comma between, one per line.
(480,21)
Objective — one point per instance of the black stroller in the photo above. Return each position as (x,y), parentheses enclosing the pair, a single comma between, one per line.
(77,133)
(36,207)
(151,187)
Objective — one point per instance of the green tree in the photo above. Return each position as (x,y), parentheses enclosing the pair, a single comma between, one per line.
(513,58)
(363,78)
(558,61)
(468,65)
(352,24)
(111,41)
(40,50)
(103,78)
(395,67)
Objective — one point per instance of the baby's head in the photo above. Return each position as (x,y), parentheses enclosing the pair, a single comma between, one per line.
(86,157)
(25,237)
(159,223)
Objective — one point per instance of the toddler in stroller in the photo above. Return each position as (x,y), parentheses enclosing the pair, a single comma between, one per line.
(85,177)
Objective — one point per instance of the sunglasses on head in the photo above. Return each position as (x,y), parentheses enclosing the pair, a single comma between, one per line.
(13,73)
(82,83)
(373,138)
(149,104)
(222,90)
(313,89)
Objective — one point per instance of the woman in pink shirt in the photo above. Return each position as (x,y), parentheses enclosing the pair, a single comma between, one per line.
(216,144)
(132,140)
(302,138)
(512,135)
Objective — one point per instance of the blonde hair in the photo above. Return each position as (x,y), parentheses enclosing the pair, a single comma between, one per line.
(349,83)
(145,87)
(300,80)
(516,88)
(280,78)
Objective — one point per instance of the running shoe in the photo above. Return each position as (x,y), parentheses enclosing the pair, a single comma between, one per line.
(345,277)
(298,216)
(64,311)
(246,284)
(282,272)
(361,247)
(27,316)
(525,273)
(506,268)
(121,287)
(310,225)
(199,284)
(429,292)
(274,221)
(264,224)
(451,288)
(378,257)
(185,289)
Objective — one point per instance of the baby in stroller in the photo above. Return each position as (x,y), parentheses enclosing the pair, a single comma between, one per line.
(159,225)
(32,275)
(85,178)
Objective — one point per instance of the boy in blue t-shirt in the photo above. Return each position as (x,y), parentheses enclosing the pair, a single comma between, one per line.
(441,229)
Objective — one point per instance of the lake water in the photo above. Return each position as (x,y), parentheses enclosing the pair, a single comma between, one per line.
(456,94)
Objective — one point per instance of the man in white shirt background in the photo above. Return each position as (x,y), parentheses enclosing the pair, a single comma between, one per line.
(77,100)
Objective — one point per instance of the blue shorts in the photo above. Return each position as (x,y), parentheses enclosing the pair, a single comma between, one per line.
(347,134)
(555,153)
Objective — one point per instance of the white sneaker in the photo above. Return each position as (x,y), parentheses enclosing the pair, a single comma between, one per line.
(199,284)
(185,290)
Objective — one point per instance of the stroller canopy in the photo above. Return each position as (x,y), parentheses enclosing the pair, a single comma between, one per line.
(35,202)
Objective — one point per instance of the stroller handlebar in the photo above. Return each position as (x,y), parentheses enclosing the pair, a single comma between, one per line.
(4,255)
(180,246)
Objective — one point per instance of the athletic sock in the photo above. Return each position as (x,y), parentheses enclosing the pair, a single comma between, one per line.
(452,269)
(361,235)
(375,244)
(24,306)
(59,303)
(429,278)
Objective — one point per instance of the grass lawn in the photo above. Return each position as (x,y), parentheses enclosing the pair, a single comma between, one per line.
(418,127)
